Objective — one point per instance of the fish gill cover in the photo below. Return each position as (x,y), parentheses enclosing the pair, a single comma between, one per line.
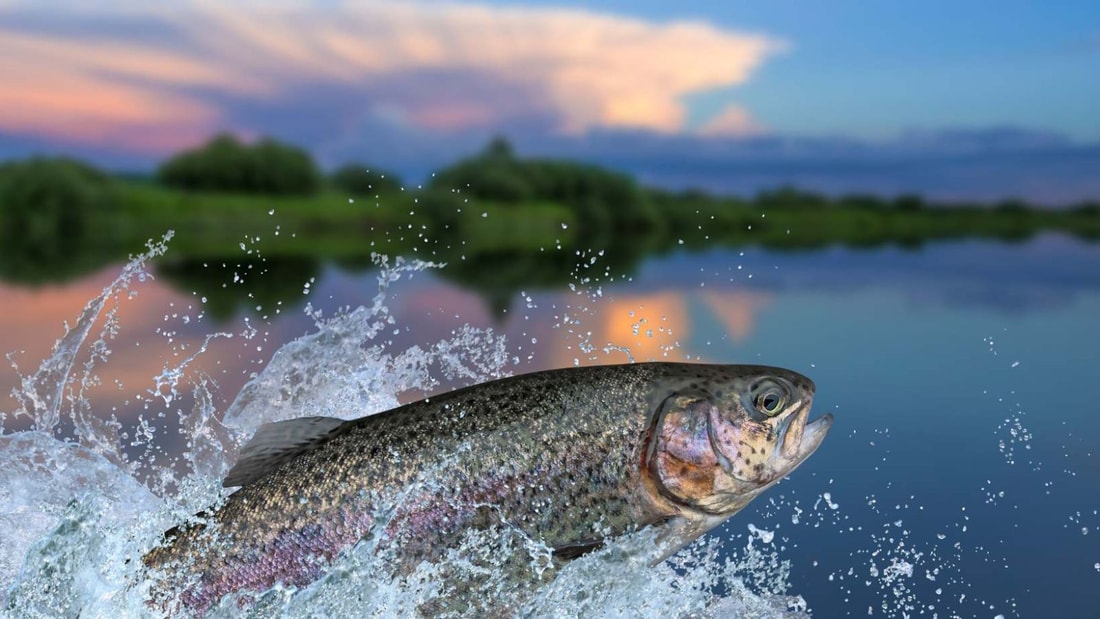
(84,495)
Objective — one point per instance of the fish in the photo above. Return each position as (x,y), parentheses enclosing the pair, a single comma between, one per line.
(567,457)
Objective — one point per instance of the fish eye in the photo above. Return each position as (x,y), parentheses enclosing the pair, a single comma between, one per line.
(770,398)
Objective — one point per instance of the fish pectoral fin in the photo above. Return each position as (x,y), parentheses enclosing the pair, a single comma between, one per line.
(572,551)
(679,532)
(275,443)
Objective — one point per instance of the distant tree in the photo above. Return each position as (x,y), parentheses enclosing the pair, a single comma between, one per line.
(599,196)
(219,165)
(1091,207)
(46,196)
(1012,205)
(909,202)
(604,202)
(493,174)
(359,180)
(863,201)
(695,194)
(280,169)
(499,148)
(225,164)
(790,197)
(45,206)
(660,197)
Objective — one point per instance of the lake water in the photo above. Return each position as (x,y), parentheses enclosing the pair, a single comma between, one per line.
(962,475)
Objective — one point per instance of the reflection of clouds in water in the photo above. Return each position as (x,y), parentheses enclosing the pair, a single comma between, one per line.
(1045,273)
(652,326)
(737,310)
(34,320)
(865,357)
(656,326)
(649,325)
(159,326)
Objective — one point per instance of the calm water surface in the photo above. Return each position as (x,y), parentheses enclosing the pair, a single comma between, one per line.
(961,477)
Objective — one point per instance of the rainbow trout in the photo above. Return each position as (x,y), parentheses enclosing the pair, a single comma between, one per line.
(568,457)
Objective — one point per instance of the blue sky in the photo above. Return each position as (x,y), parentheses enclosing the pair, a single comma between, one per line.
(960,99)
(873,69)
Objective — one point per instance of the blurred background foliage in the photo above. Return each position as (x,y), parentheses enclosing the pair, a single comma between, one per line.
(267,167)
(502,222)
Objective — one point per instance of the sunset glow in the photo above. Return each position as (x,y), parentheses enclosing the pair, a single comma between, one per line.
(585,70)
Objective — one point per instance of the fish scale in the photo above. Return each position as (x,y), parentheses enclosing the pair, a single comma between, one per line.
(564,456)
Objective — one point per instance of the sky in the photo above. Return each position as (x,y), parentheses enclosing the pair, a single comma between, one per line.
(957,100)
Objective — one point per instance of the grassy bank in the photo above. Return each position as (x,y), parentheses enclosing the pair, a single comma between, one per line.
(327,225)
(501,223)
(330,225)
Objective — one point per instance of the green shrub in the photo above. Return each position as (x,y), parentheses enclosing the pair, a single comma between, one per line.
(494,174)
(1090,208)
(909,202)
(602,200)
(45,208)
(485,178)
(863,201)
(788,197)
(1013,206)
(43,198)
(283,170)
(225,164)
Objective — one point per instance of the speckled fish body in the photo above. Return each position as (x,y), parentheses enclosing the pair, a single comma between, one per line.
(567,456)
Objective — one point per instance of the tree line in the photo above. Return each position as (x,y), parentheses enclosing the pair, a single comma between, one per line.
(270,167)
(60,218)
(48,204)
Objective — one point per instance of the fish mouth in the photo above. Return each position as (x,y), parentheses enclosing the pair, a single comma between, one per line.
(801,439)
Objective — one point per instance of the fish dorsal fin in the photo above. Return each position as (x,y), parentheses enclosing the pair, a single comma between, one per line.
(569,552)
(275,443)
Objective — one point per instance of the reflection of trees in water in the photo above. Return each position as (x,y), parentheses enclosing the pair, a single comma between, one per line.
(496,275)
(499,275)
(47,211)
(239,286)
(497,263)
(57,259)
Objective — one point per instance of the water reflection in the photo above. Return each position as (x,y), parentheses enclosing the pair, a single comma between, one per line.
(160,326)
(243,285)
(1042,274)
(956,373)
(676,307)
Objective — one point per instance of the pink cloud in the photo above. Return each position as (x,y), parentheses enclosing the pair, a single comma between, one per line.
(589,70)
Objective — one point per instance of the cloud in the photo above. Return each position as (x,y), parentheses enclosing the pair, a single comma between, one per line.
(733,121)
(54,90)
(411,86)
(94,75)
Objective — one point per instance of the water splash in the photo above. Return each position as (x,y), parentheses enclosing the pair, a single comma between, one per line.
(78,510)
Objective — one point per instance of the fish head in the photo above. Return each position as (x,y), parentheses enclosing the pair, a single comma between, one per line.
(719,440)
